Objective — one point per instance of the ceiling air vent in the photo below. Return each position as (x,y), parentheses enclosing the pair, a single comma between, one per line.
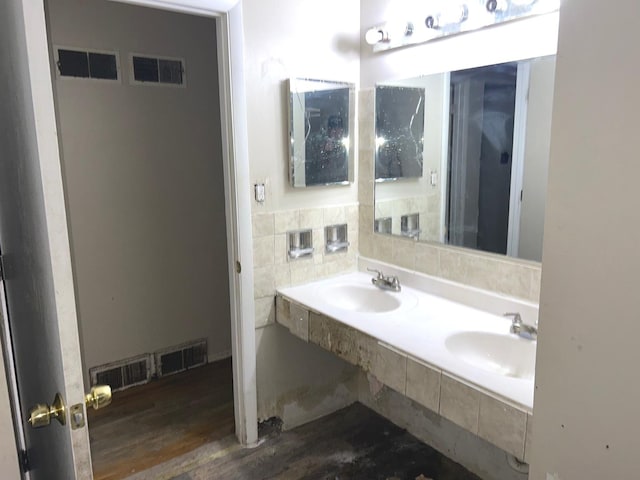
(124,373)
(86,64)
(150,70)
(181,357)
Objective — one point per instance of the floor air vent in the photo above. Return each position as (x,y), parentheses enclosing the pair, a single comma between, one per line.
(181,357)
(123,374)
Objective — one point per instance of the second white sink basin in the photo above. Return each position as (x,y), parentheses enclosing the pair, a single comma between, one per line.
(507,355)
(361,298)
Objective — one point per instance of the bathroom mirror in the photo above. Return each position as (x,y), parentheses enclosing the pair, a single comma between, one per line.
(481,139)
(321,117)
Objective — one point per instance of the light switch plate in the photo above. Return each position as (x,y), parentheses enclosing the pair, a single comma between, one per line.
(260,194)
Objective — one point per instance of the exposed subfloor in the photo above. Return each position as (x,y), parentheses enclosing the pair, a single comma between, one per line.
(353,443)
(150,424)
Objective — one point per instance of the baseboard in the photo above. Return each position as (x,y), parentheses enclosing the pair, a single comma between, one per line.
(216,357)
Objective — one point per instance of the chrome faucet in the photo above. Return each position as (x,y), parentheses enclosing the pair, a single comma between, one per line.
(385,282)
(520,328)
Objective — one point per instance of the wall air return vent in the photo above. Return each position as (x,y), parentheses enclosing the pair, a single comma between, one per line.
(159,71)
(87,64)
(124,373)
(181,357)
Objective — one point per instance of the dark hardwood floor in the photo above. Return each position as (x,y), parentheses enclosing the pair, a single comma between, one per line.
(181,428)
(150,424)
(352,444)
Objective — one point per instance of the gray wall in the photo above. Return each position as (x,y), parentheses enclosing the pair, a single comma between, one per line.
(587,394)
(144,184)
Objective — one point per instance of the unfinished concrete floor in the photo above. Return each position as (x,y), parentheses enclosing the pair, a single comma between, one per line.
(353,443)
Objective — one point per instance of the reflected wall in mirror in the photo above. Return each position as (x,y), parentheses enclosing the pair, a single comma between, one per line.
(486,134)
(321,115)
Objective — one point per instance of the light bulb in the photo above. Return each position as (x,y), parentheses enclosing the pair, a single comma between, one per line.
(376,35)
(449,16)
(496,5)
(387,32)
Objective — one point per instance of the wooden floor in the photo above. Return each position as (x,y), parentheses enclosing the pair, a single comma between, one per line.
(181,428)
(352,444)
(150,424)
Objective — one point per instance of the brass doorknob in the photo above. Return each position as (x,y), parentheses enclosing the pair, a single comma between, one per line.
(41,415)
(98,397)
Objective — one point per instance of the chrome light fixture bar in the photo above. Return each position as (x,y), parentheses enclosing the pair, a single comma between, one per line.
(454,17)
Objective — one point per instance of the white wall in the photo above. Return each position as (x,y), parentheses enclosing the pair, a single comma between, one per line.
(144,184)
(536,157)
(587,394)
(283,39)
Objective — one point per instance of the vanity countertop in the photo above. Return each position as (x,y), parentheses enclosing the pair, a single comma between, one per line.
(421,327)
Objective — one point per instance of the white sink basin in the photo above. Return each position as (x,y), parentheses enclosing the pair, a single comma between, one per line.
(507,355)
(361,298)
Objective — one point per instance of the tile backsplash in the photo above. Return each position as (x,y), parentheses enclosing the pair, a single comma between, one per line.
(513,277)
(272,267)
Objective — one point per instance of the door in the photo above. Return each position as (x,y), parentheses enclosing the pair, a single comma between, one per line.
(35,246)
(482,127)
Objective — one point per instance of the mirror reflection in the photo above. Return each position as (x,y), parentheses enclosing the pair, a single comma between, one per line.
(481,140)
(399,132)
(320,119)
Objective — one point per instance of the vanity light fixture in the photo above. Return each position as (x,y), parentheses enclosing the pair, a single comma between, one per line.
(459,16)
(453,15)
(380,141)
(388,32)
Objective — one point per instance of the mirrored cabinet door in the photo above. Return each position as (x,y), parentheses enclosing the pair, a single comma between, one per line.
(321,118)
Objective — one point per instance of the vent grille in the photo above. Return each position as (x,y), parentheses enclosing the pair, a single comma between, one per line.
(157,70)
(123,374)
(86,64)
(181,357)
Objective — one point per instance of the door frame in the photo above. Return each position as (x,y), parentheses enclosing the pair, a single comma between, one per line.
(235,148)
(518,154)
(229,28)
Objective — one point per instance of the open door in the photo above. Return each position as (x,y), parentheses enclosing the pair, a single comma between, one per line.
(35,250)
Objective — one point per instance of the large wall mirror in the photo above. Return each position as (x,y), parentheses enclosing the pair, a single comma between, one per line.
(465,161)
(321,117)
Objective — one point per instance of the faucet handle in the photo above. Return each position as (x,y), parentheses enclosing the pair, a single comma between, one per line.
(380,275)
(515,316)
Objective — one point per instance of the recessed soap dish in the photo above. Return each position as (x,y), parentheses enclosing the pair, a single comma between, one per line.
(410,225)
(300,244)
(383,225)
(335,238)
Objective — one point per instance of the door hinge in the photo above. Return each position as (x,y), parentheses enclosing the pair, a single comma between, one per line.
(23,458)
